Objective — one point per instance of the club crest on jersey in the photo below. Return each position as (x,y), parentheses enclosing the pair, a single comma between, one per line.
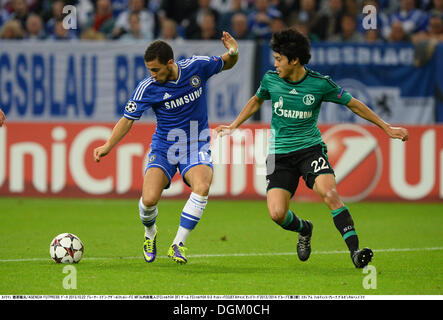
(131,106)
(308,99)
(152,158)
(195,81)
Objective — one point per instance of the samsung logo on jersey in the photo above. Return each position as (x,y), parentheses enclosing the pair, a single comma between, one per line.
(184,100)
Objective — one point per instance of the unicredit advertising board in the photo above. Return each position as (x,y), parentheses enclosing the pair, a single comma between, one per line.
(56,160)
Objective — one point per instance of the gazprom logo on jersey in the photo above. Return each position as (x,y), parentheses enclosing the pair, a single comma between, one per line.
(295,114)
(187,98)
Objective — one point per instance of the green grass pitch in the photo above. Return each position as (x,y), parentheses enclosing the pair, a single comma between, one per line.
(235,250)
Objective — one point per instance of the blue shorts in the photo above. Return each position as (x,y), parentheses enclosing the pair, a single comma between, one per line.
(169,161)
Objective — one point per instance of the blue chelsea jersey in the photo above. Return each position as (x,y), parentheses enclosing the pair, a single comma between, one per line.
(180,106)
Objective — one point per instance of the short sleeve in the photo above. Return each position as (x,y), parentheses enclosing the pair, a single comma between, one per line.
(263,91)
(210,65)
(335,93)
(137,103)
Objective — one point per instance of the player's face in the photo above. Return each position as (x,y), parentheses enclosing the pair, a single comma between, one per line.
(283,67)
(160,72)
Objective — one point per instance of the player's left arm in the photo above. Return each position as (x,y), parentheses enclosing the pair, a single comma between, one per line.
(230,58)
(363,111)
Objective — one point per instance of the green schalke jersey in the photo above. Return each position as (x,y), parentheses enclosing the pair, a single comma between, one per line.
(295,108)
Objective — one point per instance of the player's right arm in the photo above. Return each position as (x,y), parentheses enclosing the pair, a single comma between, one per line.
(120,130)
(249,109)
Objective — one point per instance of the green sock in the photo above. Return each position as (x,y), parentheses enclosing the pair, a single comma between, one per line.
(345,225)
(293,223)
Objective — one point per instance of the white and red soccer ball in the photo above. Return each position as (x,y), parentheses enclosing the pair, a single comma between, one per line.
(66,248)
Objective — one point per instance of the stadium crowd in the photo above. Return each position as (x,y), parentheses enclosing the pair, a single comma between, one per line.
(321,20)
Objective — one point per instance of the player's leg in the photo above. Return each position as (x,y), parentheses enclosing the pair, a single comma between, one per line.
(199,178)
(278,205)
(155,180)
(325,186)
(282,182)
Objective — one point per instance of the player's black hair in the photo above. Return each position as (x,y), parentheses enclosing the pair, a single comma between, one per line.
(292,44)
(159,50)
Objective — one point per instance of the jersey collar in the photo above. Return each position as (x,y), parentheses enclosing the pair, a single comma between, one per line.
(299,81)
(179,75)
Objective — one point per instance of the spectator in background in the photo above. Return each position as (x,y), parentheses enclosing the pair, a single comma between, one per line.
(372,36)
(118,6)
(437,5)
(61,33)
(426,41)
(413,20)
(225,6)
(239,26)
(260,19)
(398,33)
(434,30)
(351,7)
(277,25)
(225,20)
(207,28)
(309,15)
(169,30)
(12,30)
(103,20)
(178,10)
(195,21)
(303,28)
(330,19)
(147,19)
(21,11)
(56,14)
(135,31)
(85,10)
(34,27)
(349,32)
(4,14)
(289,9)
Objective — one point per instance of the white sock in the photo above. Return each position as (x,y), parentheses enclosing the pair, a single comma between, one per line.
(148,216)
(191,214)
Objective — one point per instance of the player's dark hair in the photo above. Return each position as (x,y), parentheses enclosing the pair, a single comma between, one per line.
(292,44)
(159,50)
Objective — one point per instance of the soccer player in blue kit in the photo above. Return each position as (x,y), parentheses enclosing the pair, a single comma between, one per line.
(175,90)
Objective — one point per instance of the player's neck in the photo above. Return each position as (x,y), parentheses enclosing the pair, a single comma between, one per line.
(174,74)
(297,74)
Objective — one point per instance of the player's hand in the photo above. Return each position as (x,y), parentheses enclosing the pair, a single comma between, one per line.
(229,42)
(100,152)
(398,133)
(2,117)
(224,130)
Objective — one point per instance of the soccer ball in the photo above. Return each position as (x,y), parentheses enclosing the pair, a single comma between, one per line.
(66,248)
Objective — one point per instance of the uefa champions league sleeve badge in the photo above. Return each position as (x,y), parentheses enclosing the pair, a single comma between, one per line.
(131,106)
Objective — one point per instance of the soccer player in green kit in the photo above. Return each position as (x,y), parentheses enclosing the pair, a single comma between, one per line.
(296,146)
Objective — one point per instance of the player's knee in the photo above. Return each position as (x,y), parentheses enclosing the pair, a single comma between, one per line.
(278,213)
(201,188)
(330,197)
(149,201)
